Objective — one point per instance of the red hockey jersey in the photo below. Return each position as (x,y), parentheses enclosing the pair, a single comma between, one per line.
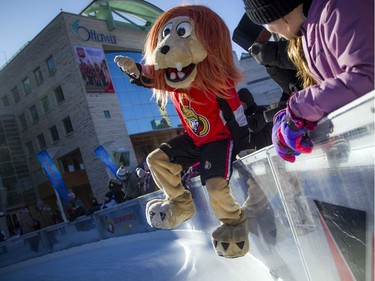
(202,116)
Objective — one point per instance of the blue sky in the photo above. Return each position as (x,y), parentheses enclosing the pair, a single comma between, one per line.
(22,20)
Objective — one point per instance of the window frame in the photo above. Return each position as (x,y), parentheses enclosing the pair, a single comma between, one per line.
(51,70)
(38,76)
(52,130)
(23,128)
(42,144)
(34,120)
(43,104)
(16,95)
(26,86)
(60,93)
(70,125)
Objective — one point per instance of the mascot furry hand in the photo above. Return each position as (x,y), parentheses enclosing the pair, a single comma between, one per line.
(189,59)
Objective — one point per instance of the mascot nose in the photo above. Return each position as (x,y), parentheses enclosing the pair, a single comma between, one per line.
(164,49)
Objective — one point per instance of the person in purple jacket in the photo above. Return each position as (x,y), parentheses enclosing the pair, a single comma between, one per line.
(332,45)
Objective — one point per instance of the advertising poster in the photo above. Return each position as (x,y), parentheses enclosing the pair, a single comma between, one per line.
(94,69)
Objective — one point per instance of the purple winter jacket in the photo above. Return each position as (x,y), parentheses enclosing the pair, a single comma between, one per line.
(338,41)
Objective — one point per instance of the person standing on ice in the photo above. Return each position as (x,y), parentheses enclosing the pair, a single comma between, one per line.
(337,40)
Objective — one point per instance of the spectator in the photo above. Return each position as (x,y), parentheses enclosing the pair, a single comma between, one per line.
(145,179)
(27,225)
(95,206)
(130,183)
(272,55)
(337,40)
(261,131)
(56,217)
(190,173)
(116,188)
(109,200)
(26,221)
(75,208)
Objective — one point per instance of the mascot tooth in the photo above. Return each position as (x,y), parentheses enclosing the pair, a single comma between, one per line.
(190,49)
(179,66)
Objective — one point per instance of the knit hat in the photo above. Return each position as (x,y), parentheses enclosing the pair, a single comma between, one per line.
(266,11)
(71,195)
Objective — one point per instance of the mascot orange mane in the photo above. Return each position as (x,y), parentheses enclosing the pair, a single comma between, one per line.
(189,59)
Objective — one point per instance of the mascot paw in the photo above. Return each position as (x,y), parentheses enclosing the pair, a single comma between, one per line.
(169,213)
(231,241)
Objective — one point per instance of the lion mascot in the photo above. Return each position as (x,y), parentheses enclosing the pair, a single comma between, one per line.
(189,59)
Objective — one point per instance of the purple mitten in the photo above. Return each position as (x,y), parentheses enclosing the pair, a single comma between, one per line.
(290,139)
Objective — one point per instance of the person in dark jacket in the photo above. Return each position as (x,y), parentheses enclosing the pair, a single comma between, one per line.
(130,182)
(109,200)
(261,131)
(273,55)
(116,188)
(95,206)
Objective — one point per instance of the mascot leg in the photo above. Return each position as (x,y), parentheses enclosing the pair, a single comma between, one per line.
(230,240)
(259,212)
(178,205)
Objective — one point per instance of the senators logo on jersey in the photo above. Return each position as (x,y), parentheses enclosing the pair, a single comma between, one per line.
(198,123)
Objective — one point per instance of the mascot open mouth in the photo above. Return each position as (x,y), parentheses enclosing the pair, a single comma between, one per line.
(179,74)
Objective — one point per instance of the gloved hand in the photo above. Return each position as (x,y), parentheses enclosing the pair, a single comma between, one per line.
(290,137)
(128,66)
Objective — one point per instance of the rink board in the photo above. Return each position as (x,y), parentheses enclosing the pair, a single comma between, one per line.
(308,220)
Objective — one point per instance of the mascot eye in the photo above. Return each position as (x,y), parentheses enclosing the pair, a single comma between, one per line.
(167,30)
(184,29)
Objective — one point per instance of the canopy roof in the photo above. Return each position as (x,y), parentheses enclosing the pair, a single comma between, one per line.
(137,14)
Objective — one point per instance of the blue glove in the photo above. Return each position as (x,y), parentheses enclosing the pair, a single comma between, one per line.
(290,137)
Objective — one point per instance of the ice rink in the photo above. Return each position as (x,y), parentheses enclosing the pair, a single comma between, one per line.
(157,256)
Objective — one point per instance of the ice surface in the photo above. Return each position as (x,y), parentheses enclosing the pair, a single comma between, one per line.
(157,256)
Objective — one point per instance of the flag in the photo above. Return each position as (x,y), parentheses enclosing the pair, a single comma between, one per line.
(54,175)
(106,159)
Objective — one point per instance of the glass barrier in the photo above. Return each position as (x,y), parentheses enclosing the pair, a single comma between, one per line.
(314,219)
(308,220)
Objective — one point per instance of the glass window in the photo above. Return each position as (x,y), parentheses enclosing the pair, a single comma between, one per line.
(5,100)
(34,113)
(45,104)
(22,120)
(16,95)
(140,112)
(59,95)
(26,85)
(72,161)
(68,128)
(122,158)
(6,169)
(38,76)
(107,114)
(54,134)
(3,140)
(5,155)
(51,65)
(30,149)
(41,141)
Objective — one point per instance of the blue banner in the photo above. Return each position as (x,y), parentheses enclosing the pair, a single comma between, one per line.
(54,175)
(106,159)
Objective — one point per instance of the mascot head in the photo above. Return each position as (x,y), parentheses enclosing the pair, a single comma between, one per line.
(190,46)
